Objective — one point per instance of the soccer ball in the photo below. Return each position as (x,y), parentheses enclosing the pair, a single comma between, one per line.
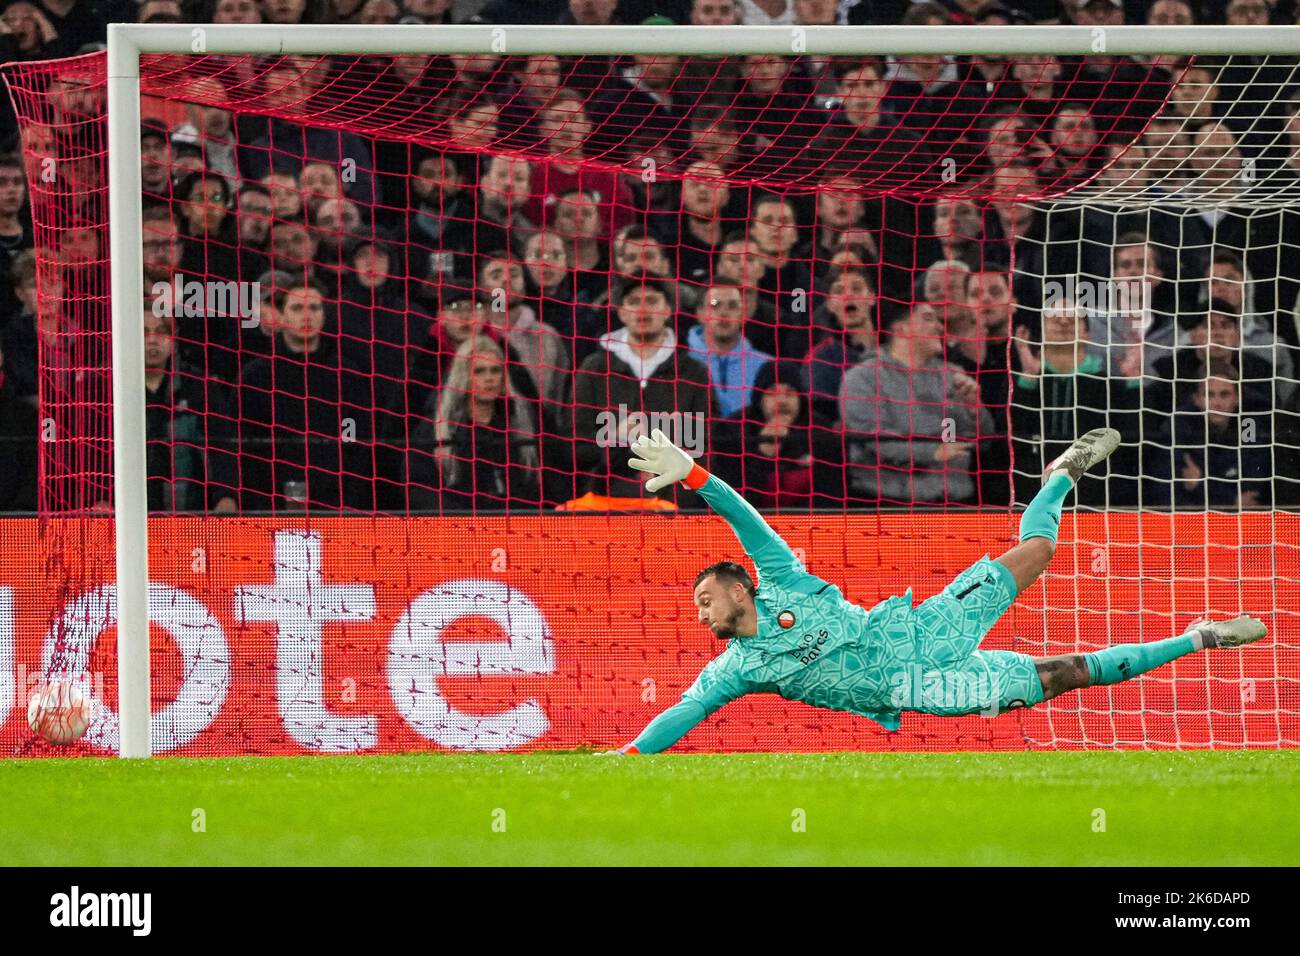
(59,712)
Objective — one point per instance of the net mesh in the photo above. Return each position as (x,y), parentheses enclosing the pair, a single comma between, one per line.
(451,288)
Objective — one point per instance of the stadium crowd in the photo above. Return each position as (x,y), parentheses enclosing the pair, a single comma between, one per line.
(476,326)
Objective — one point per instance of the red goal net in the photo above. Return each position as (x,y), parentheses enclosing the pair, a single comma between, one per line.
(455,288)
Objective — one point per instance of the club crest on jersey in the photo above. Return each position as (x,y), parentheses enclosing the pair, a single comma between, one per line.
(785,619)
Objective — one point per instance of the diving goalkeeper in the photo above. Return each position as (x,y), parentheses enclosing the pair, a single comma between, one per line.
(797,636)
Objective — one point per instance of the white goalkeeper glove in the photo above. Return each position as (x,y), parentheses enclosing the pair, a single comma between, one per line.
(661,458)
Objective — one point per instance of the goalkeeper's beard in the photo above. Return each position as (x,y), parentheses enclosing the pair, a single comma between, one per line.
(727,630)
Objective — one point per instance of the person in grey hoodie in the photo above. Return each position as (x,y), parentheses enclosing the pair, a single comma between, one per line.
(912,420)
(638,370)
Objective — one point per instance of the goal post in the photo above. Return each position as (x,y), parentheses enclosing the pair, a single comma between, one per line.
(127,43)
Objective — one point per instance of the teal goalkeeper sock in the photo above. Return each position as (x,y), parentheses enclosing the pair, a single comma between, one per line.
(1123,661)
(1042,518)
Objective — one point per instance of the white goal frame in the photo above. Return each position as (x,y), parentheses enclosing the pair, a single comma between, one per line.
(126,43)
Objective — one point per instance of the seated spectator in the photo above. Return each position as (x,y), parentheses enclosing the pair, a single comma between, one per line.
(640,368)
(1062,392)
(253,224)
(280,144)
(21,333)
(498,220)
(846,326)
(1216,337)
(19,437)
(1134,327)
(337,224)
(637,253)
(1229,282)
(719,343)
(191,463)
(477,449)
(739,261)
(556,295)
(861,138)
(210,233)
(912,421)
(577,220)
(566,130)
(377,325)
(694,235)
(461,316)
(541,350)
(306,417)
(442,203)
(779,450)
(1208,454)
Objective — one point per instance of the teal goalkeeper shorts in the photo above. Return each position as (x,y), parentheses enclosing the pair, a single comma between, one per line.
(948,674)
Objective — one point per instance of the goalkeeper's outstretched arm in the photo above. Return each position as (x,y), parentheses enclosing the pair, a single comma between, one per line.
(668,463)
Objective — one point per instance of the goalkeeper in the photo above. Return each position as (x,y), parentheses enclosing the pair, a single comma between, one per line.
(797,636)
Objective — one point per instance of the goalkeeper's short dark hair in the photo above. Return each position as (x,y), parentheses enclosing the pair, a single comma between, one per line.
(727,572)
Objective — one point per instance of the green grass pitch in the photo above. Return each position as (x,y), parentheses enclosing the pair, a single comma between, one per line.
(577,809)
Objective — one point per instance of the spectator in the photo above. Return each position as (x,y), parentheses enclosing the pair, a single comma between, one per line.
(1134,327)
(306,417)
(556,295)
(566,130)
(786,281)
(461,316)
(847,320)
(577,221)
(719,343)
(283,145)
(31,34)
(1228,282)
(714,13)
(642,98)
(443,203)
(739,261)
(862,139)
(20,335)
(541,350)
(253,223)
(377,326)
(338,223)
(155,162)
(1220,460)
(638,368)
(912,420)
(1063,392)
(478,450)
(191,465)
(19,431)
(497,220)
(236,11)
(694,235)
(1216,337)
(780,450)
(210,233)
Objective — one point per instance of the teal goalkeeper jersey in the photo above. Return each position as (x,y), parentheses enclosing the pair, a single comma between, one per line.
(812,645)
